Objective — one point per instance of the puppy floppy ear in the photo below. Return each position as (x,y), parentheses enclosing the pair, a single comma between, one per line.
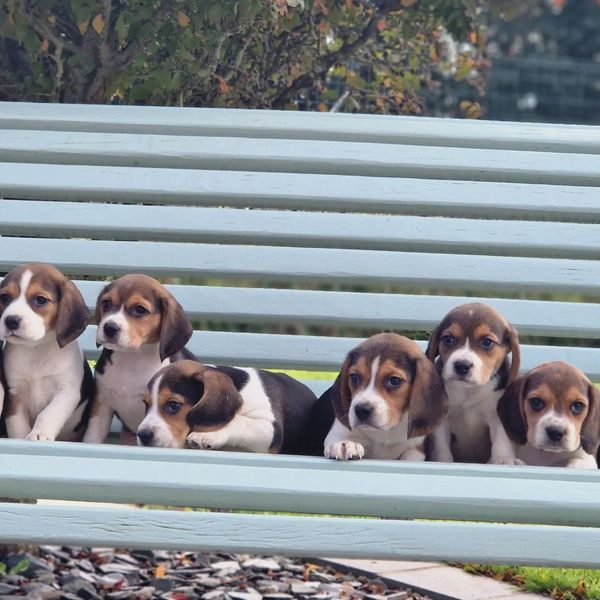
(340,395)
(512,339)
(433,347)
(428,400)
(590,430)
(510,411)
(218,400)
(73,314)
(175,329)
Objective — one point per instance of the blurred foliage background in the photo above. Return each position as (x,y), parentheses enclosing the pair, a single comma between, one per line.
(387,56)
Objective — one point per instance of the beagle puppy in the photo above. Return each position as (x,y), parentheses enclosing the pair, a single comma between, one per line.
(552,414)
(141,328)
(232,408)
(49,382)
(470,348)
(386,399)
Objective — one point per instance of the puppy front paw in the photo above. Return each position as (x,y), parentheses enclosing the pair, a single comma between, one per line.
(39,435)
(212,440)
(506,460)
(346,450)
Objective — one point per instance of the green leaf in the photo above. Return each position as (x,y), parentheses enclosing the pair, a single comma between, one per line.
(20,567)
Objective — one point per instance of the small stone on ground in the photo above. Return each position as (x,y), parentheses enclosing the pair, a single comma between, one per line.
(61,573)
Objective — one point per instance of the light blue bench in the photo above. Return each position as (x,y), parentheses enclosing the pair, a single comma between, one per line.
(361,223)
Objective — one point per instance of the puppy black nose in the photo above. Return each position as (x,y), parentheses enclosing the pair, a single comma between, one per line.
(462,367)
(555,434)
(111,329)
(363,411)
(12,323)
(145,436)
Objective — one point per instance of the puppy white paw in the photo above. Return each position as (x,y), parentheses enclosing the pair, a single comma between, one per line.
(346,450)
(506,460)
(211,440)
(39,435)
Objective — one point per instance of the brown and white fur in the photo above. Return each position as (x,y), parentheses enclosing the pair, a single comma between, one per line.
(386,398)
(229,408)
(49,382)
(470,348)
(142,327)
(552,414)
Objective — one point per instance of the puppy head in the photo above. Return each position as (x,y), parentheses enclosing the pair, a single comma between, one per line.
(554,407)
(135,310)
(384,379)
(186,396)
(36,299)
(473,342)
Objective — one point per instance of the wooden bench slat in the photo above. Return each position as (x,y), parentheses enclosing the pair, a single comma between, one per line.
(341,491)
(433,271)
(298,191)
(304,156)
(362,309)
(292,228)
(280,351)
(118,452)
(302,125)
(299,536)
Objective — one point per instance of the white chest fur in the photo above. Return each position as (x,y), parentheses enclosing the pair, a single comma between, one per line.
(122,385)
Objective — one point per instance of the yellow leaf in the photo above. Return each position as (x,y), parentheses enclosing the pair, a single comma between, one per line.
(183,19)
(379,102)
(322,107)
(160,571)
(407,3)
(51,19)
(98,24)
(44,46)
(83,26)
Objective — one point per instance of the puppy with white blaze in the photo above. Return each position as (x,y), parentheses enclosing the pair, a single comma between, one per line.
(229,408)
(387,398)
(471,348)
(141,327)
(552,414)
(49,381)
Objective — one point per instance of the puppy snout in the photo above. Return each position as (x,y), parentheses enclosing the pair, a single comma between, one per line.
(363,411)
(555,434)
(145,436)
(111,329)
(462,367)
(12,322)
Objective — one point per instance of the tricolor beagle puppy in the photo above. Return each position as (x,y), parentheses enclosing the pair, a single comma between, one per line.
(229,408)
(470,348)
(553,416)
(142,327)
(386,399)
(49,381)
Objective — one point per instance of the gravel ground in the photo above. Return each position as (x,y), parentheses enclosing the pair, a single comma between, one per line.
(50,572)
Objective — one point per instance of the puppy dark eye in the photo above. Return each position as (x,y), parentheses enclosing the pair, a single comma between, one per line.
(172,407)
(139,310)
(487,343)
(4,298)
(537,404)
(40,300)
(448,339)
(354,379)
(577,408)
(394,382)
(106,304)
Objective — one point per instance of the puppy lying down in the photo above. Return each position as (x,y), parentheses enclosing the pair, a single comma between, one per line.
(233,408)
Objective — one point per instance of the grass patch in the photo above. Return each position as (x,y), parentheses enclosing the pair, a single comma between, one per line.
(562,584)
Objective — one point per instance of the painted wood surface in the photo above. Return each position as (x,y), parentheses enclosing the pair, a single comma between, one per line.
(426,271)
(299,191)
(304,156)
(291,228)
(403,312)
(300,536)
(302,125)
